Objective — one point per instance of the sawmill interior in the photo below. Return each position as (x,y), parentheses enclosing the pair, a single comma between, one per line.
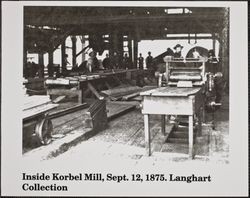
(136,82)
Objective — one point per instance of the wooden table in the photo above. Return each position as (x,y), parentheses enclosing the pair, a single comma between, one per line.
(172,101)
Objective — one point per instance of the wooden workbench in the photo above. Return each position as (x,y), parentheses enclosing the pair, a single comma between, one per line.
(172,101)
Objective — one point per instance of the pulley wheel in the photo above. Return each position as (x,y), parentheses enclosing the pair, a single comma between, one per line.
(43,131)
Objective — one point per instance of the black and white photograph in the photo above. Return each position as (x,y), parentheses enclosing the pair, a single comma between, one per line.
(124,98)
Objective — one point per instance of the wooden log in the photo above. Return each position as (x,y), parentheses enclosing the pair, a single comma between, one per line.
(67,111)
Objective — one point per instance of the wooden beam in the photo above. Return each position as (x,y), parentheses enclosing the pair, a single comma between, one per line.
(51,63)
(63,57)
(41,65)
(163,37)
(135,52)
(73,39)
(94,91)
(130,48)
(213,40)
(82,51)
(77,20)
(67,111)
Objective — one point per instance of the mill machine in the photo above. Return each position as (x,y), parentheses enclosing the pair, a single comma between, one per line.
(191,72)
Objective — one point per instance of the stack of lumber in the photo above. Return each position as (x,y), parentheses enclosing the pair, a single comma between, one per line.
(36,105)
(118,92)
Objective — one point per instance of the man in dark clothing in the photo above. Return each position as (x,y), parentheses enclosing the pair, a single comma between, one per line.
(178,49)
(140,60)
(107,63)
(126,62)
(115,61)
(149,61)
(214,67)
(212,63)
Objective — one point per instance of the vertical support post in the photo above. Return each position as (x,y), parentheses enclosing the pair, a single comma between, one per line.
(224,47)
(163,124)
(190,136)
(73,39)
(200,120)
(83,46)
(114,42)
(120,46)
(147,134)
(51,63)
(130,50)
(63,55)
(80,96)
(41,65)
(135,52)
(213,40)
(111,48)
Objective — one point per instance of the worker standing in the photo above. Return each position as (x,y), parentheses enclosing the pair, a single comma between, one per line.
(106,62)
(213,67)
(126,62)
(66,62)
(92,63)
(140,61)
(115,61)
(149,61)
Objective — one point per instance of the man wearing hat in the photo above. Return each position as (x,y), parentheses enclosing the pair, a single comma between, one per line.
(178,49)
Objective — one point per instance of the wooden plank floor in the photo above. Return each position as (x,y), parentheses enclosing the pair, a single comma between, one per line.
(124,138)
(129,130)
